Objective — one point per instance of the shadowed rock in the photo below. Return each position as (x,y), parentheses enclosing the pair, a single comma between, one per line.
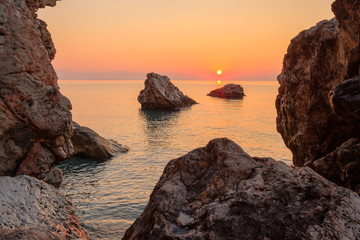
(220,192)
(345,100)
(318,101)
(32,209)
(342,166)
(87,143)
(229,91)
(159,93)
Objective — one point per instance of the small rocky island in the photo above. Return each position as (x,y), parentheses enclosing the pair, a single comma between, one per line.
(229,91)
(160,94)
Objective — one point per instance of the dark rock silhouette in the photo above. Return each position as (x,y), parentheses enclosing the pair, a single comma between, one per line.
(229,91)
(159,93)
(318,101)
(220,192)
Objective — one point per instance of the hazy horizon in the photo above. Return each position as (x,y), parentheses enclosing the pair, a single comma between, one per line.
(122,75)
(181,39)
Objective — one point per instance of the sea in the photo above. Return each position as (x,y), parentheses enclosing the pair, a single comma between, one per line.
(109,195)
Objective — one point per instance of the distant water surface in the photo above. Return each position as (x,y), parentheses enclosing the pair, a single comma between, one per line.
(108,196)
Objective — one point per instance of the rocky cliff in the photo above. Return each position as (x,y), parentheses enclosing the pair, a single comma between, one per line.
(318,101)
(220,192)
(35,117)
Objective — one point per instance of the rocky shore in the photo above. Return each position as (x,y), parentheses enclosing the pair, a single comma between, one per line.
(214,192)
(160,94)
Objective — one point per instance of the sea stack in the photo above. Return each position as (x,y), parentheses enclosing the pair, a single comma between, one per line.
(319,97)
(229,91)
(220,192)
(160,94)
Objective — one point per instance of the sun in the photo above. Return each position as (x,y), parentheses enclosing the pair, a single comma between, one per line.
(219,72)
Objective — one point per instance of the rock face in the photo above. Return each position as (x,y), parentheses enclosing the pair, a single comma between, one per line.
(229,91)
(160,93)
(220,192)
(35,117)
(32,209)
(318,101)
(89,144)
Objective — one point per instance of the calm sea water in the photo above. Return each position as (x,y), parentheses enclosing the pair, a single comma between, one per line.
(108,196)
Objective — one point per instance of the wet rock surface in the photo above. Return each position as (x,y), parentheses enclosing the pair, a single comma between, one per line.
(229,91)
(87,143)
(32,209)
(318,101)
(160,94)
(220,192)
(35,116)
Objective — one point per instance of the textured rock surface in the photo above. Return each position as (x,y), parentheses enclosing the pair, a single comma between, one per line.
(342,166)
(36,118)
(318,101)
(230,91)
(160,93)
(88,143)
(29,207)
(220,192)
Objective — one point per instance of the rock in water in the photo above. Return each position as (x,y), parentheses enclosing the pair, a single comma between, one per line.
(32,209)
(229,91)
(87,143)
(220,192)
(35,117)
(318,101)
(159,93)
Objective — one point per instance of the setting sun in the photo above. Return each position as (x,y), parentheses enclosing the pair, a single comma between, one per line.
(219,72)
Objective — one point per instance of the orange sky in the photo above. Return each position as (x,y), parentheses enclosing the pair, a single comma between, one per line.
(187,39)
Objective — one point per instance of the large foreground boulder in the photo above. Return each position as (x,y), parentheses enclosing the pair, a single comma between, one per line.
(318,101)
(229,91)
(220,192)
(87,143)
(32,209)
(35,117)
(159,93)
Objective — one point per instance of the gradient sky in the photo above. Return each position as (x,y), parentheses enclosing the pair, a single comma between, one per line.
(186,39)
